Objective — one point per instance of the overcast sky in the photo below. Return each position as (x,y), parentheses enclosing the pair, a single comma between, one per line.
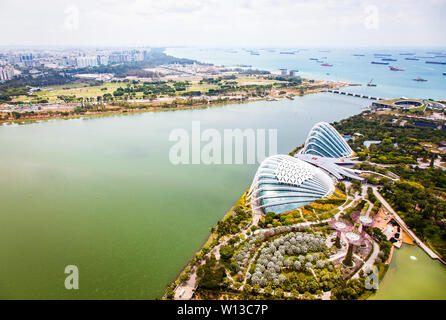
(286,23)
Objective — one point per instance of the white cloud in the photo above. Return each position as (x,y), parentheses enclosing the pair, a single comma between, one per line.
(224,22)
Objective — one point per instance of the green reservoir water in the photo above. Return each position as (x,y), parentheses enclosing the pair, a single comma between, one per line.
(410,279)
(101,194)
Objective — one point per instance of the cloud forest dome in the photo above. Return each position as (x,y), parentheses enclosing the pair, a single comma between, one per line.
(283,183)
(325,141)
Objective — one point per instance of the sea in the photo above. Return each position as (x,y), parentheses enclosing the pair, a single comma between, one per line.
(348,64)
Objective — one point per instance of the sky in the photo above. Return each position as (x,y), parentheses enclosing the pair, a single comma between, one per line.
(223,23)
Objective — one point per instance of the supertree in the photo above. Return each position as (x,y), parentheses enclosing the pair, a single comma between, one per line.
(365,221)
(341,226)
(353,239)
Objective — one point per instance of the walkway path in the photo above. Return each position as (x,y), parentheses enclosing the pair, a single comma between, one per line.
(191,284)
(406,229)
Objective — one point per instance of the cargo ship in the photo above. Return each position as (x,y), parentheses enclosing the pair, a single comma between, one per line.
(415,59)
(388,59)
(359,55)
(435,62)
(407,54)
(382,55)
(379,62)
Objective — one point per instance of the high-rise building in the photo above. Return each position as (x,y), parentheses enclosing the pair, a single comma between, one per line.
(103,60)
(6,73)
(85,62)
(27,59)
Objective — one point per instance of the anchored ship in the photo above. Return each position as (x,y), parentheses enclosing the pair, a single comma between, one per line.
(435,62)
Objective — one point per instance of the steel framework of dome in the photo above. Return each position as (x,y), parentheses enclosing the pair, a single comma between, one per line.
(283,183)
(325,141)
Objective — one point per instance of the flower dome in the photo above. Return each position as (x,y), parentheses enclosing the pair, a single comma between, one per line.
(283,183)
(323,140)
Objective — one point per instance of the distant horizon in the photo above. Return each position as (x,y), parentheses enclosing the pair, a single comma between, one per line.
(24,46)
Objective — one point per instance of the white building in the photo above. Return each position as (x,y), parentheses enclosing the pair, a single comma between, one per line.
(6,73)
(85,62)
(103,60)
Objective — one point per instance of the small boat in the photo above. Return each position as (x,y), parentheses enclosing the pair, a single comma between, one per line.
(444,73)
(316,59)
(415,59)
(359,55)
(379,62)
(287,52)
(371,84)
(407,54)
(382,55)
(395,69)
(326,65)
(435,62)
(388,59)
(419,80)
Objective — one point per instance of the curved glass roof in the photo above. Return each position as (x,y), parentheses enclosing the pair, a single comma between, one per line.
(283,183)
(323,140)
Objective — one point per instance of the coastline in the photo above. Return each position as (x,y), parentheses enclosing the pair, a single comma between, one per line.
(131,111)
(178,103)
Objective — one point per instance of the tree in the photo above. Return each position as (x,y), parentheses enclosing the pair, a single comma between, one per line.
(211,274)
(226,252)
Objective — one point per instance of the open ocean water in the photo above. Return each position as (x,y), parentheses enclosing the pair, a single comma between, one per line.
(347,66)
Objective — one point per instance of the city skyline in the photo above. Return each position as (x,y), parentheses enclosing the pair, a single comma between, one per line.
(264,23)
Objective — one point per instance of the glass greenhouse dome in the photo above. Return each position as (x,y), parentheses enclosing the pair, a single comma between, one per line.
(283,183)
(325,141)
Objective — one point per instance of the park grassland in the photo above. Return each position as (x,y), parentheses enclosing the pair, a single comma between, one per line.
(93,89)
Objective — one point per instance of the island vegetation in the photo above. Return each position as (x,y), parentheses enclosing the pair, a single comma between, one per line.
(297,255)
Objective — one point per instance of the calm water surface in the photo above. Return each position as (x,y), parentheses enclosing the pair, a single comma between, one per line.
(413,279)
(346,67)
(100,193)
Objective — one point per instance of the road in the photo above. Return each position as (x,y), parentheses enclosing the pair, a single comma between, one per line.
(406,229)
